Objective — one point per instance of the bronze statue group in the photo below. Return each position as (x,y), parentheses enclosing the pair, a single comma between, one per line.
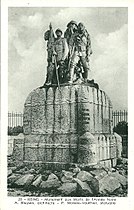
(68,56)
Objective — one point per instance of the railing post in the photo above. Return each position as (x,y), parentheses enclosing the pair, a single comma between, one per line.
(119,116)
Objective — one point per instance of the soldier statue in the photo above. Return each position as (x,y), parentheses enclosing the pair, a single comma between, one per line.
(68,34)
(57,49)
(60,53)
(81,50)
(50,38)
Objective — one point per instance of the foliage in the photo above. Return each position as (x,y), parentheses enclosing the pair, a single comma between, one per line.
(121,128)
(15,130)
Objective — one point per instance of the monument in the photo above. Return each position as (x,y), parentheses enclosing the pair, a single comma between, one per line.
(69,119)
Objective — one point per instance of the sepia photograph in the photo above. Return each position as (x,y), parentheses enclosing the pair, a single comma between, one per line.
(67,102)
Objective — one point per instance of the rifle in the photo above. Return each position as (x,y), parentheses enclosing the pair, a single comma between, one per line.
(56,67)
(71,57)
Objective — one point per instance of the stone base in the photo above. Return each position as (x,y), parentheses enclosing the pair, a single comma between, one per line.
(68,125)
(90,151)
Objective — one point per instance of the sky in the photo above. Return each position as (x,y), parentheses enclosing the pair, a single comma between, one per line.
(27,55)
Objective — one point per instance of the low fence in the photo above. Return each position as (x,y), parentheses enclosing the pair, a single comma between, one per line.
(16,119)
(119,116)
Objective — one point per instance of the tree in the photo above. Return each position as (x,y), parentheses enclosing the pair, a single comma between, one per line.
(121,128)
(15,130)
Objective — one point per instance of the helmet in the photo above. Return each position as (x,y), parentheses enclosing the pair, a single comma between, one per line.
(71,22)
(58,29)
(46,35)
(81,27)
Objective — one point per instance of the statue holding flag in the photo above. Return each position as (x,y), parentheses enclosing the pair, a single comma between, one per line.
(57,49)
(50,38)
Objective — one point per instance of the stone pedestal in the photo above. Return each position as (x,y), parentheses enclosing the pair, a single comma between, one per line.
(55,122)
